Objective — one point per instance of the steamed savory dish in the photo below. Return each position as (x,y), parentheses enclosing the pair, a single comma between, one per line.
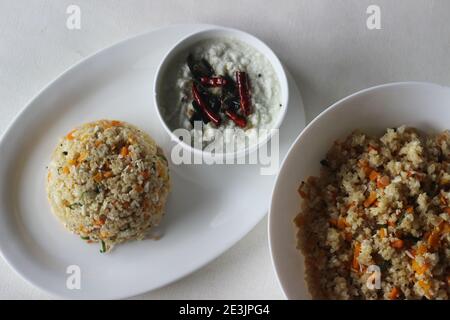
(383,202)
(108,182)
(223,84)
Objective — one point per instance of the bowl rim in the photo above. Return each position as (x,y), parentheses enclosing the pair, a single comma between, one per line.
(271,57)
(334,106)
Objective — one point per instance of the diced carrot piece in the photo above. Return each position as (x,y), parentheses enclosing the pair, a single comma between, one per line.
(425,287)
(356,252)
(441,226)
(124,151)
(383,233)
(373,175)
(70,136)
(98,177)
(97,224)
(351,205)
(66,170)
(419,269)
(101,220)
(364,165)
(72,162)
(394,293)
(371,199)
(397,244)
(104,234)
(434,239)
(421,249)
(341,223)
(108,174)
(116,123)
(410,210)
(383,182)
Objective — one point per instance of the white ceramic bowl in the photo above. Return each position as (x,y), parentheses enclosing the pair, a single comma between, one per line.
(421,105)
(219,32)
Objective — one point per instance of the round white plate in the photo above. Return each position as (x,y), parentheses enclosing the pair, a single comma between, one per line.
(210,207)
(424,106)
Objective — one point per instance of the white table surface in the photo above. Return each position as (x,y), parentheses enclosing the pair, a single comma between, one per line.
(324,43)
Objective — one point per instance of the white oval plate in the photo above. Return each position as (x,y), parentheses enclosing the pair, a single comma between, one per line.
(210,207)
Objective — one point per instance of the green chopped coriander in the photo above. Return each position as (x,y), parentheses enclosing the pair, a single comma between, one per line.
(103,248)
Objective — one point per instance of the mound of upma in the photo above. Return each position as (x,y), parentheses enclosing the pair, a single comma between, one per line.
(108,182)
(376,224)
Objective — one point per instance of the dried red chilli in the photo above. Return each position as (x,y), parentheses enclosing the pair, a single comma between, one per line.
(213,81)
(244,93)
(215,118)
(237,119)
